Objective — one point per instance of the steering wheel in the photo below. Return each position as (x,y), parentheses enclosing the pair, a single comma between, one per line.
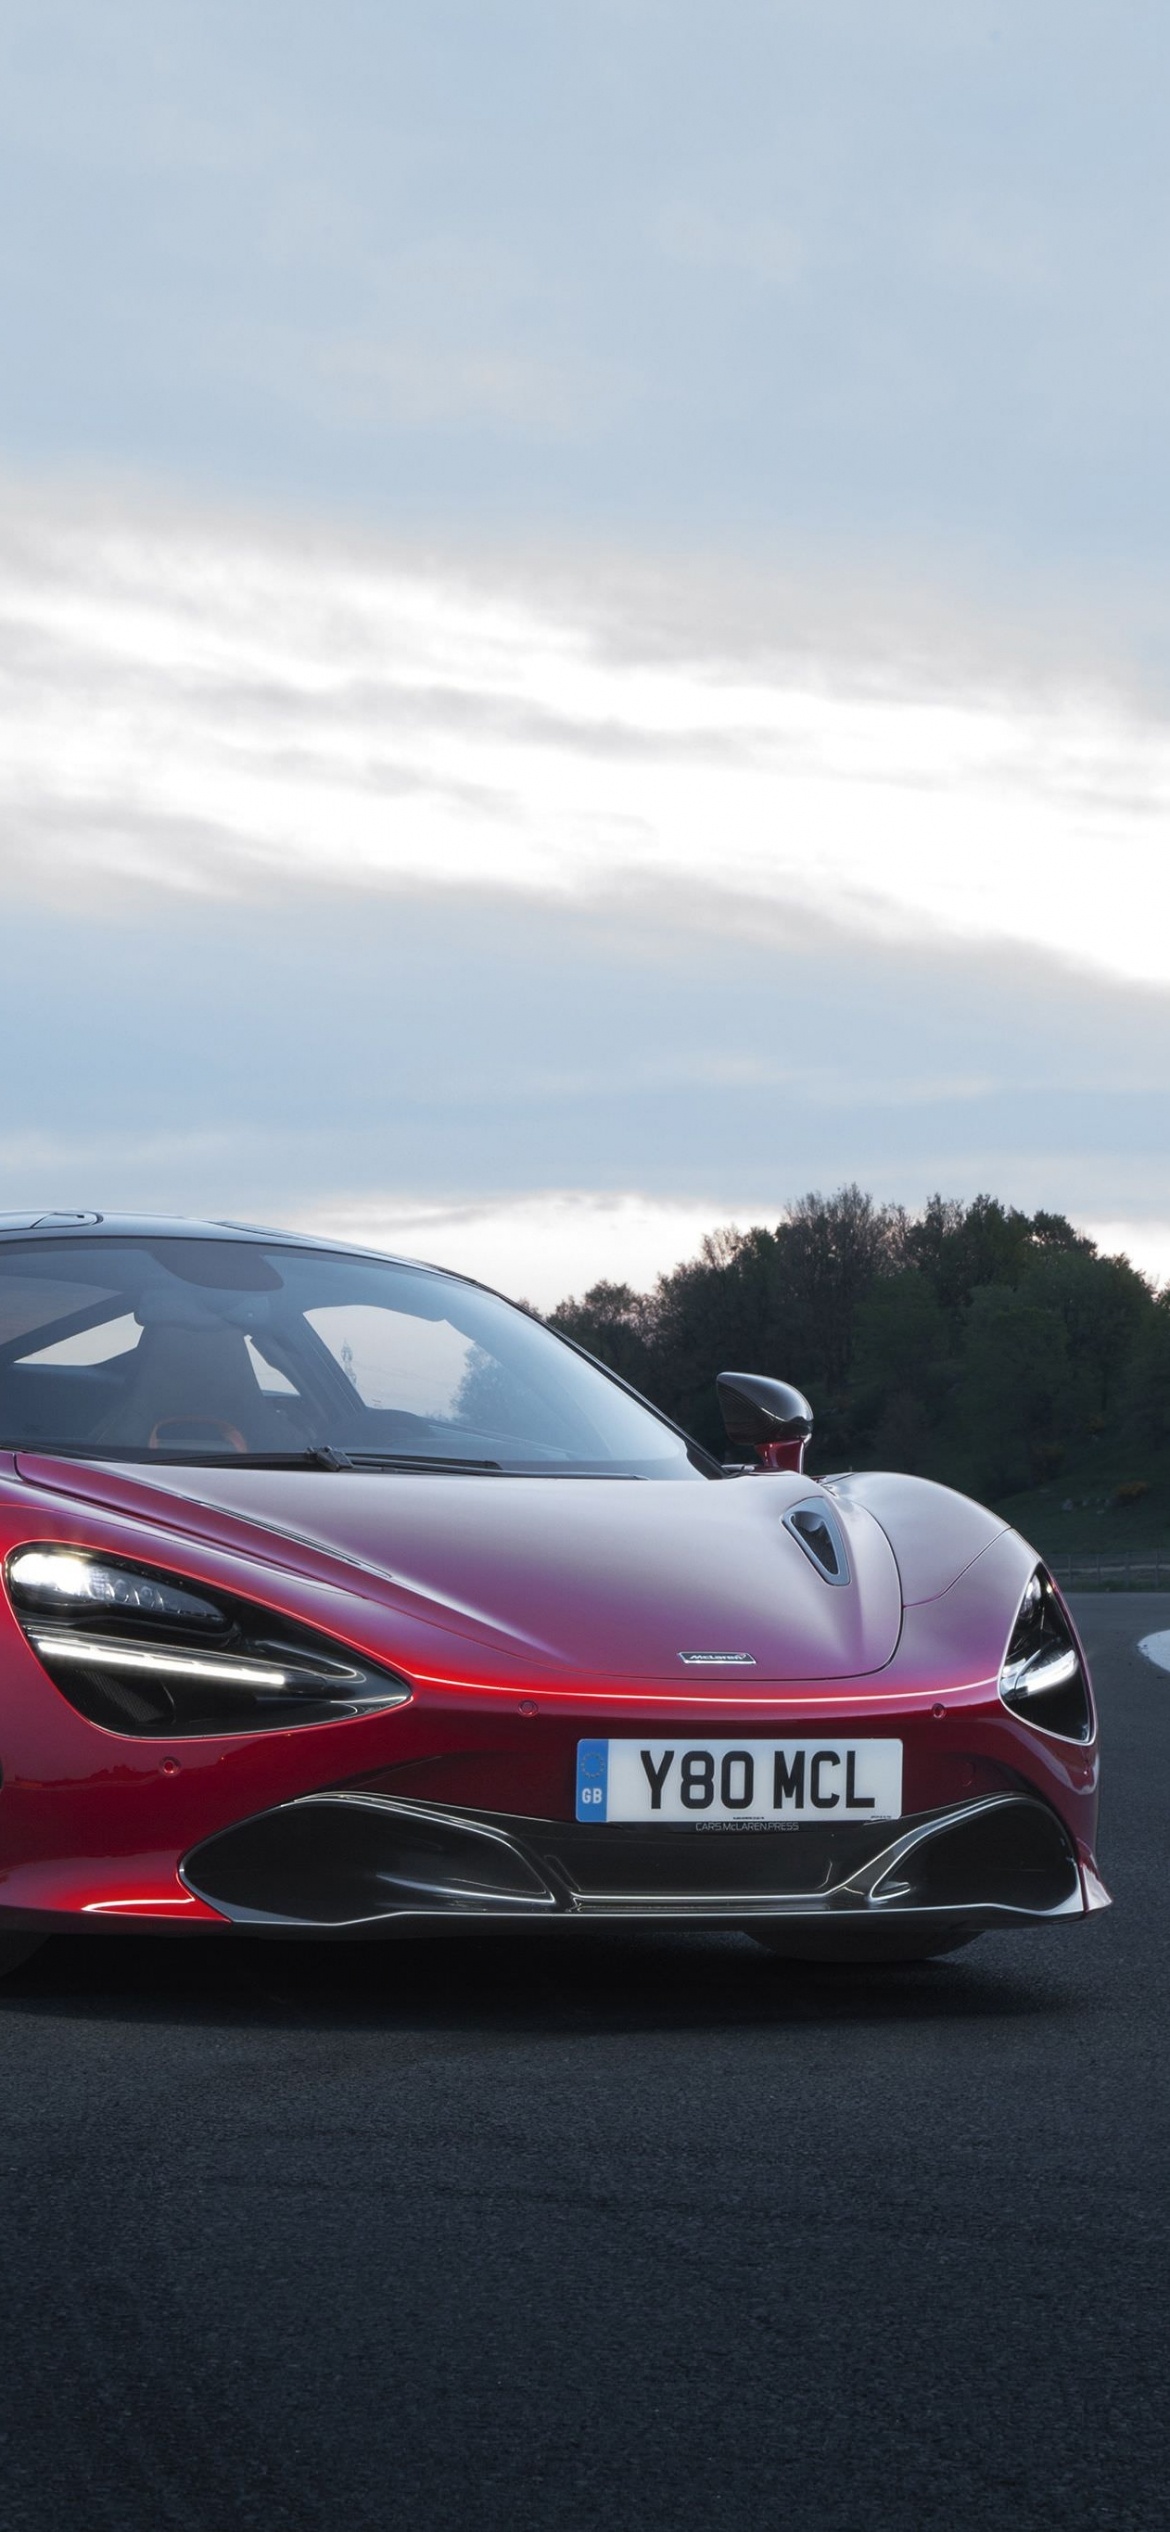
(173,1431)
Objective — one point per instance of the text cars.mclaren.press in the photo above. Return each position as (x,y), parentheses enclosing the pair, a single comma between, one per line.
(341,1597)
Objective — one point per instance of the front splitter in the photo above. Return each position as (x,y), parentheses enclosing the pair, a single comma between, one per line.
(369,1864)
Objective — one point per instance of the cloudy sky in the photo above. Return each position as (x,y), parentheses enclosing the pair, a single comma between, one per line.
(583,625)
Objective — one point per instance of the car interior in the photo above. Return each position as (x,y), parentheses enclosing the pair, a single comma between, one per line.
(200,1348)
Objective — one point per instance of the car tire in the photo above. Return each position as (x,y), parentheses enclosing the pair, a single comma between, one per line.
(16,1949)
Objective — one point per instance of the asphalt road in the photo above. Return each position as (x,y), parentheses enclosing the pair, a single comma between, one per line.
(656,2232)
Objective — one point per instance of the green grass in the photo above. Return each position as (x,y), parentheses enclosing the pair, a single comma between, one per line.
(1081,1509)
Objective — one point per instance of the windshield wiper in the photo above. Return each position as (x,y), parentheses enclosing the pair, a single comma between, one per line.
(320,1455)
(418,1459)
(326,1456)
(137,1455)
(421,1461)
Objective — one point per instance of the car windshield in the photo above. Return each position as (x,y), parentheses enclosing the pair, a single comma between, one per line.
(207,1349)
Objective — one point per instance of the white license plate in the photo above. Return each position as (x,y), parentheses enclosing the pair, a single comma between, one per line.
(739,1780)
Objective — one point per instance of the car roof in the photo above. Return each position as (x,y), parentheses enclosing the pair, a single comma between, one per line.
(154,1226)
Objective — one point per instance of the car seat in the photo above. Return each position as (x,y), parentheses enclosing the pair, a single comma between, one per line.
(191,1384)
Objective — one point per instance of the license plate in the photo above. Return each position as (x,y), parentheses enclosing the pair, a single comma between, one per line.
(769,1781)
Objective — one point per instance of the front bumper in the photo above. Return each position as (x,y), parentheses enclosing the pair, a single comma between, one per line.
(368,1863)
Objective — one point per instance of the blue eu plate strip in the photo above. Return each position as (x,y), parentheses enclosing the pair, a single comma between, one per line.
(592,1779)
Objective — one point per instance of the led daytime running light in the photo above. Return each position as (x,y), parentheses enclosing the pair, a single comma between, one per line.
(242,1674)
(1041,1672)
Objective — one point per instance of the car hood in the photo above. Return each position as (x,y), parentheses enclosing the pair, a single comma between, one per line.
(590,1575)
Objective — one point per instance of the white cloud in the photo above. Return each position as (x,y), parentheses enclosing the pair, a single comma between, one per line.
(537,1247)
(206,704)
(544,1246)
(1146,1244)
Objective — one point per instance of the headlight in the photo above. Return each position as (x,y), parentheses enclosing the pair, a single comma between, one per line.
(53,1579)
(1043,1676)
(143,1652)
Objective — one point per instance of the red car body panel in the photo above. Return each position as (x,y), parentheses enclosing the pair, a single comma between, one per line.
(525,1614)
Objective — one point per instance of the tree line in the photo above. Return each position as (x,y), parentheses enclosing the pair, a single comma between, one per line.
(970,1342)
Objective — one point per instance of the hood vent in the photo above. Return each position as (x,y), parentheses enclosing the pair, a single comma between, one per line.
(817,1531)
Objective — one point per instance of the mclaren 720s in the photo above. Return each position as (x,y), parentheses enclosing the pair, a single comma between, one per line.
(342,1598)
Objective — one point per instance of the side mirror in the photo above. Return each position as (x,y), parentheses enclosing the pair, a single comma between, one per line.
(771,1418)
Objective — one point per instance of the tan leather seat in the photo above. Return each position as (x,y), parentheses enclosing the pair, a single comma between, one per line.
(186,1381)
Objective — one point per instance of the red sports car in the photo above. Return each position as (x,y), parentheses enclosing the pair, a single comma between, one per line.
(341,1597)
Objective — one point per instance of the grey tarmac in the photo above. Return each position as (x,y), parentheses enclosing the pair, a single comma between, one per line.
(610,2236)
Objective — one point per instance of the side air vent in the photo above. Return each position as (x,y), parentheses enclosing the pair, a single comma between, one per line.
(818,1532)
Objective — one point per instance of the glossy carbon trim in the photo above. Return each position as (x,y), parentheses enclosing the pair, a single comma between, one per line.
(321,1860)
(803,1521)
(358,1861)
